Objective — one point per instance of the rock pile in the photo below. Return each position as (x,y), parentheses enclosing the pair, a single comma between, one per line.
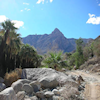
(42,84)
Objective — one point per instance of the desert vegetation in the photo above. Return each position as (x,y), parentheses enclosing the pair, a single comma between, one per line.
(54,60)
(14,54)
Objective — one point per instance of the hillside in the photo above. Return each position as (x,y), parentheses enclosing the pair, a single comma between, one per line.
(54,41)
(93,63)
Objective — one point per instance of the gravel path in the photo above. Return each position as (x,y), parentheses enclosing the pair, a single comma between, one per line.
(92,87)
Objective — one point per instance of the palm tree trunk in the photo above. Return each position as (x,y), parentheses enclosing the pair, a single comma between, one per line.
(2,46)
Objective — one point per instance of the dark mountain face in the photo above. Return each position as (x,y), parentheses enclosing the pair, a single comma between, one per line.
(52,42)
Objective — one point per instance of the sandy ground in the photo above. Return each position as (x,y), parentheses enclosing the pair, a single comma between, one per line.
(92,88)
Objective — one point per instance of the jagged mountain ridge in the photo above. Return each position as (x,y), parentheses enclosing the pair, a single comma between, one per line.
(54,41)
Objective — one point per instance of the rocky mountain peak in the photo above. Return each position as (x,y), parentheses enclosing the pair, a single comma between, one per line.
(56,41)
(57,32)
(56,29)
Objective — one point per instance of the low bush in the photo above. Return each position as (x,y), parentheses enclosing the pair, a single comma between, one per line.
(13,76)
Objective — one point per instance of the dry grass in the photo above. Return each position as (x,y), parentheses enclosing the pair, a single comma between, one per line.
(12,77)
(91,64)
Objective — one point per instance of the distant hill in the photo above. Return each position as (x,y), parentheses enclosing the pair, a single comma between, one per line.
(54,41)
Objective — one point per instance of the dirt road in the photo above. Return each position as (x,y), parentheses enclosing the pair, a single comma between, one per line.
(92,88)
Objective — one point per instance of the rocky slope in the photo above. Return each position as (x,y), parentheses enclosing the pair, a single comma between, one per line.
(49,84)
(43,84)
(54,41)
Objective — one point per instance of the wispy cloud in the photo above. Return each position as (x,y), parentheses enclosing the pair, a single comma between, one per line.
(98,4)
(18,24)
(27,9)
(42,1)
(93,19)
(21,10)
(25,3)
(39,1)
(51,0)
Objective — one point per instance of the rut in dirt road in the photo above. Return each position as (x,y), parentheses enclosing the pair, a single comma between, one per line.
(92,91)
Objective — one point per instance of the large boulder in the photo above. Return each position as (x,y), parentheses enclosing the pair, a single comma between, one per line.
(19,83)
(24,81)
(27,88)
(49,81)
(8,94)
(17,86)
(2,86)
(45,75)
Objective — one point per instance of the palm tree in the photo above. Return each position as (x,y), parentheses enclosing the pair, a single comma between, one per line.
(54,60)
(28,56)
(8,27)
(9,44)
(13,45)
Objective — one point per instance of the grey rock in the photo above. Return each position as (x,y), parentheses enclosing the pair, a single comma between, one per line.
(27,99)
(27,88)
(62,89)
(74,91)
(63,69)
(20,95)
(34,98)
(24,81)
(8,94)
(49,82)
(48,94)
(41,74)
(17,86)
(36,86)
(2,86)
(1,80)
(40,94)
(45,90)
(23,75)
(76,97)
(72,83)
(56,92)
(58,98)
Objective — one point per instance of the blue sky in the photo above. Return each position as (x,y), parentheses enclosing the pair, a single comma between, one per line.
(74,18)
